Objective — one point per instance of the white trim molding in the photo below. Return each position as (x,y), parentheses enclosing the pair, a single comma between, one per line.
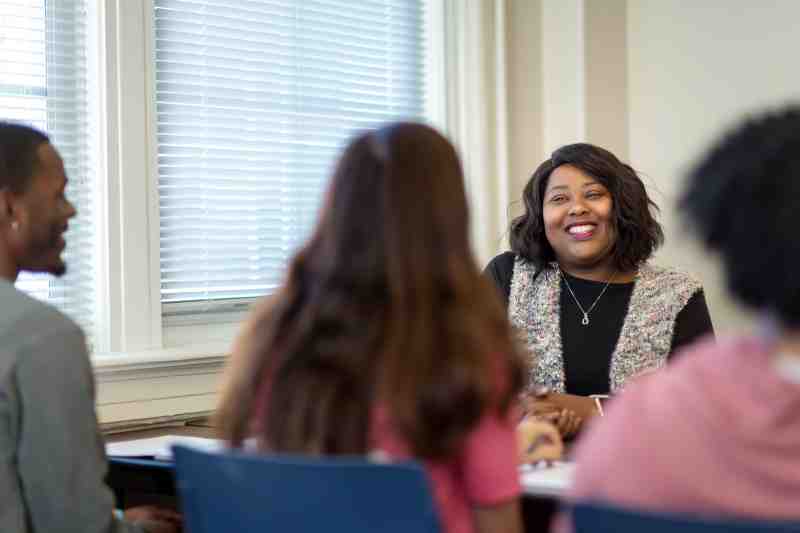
(159,384)
(477,114)
(564,86)
(584,56)
(128,299)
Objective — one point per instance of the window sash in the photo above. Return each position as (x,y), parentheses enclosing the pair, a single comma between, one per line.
(254,102)
(44,68)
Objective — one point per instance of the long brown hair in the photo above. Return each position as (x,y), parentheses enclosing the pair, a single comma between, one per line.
(384,304)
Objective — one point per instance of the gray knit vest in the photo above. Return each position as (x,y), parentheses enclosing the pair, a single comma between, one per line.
(659,294)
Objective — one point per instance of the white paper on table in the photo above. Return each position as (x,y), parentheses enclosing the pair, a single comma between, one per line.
(161,447)
(543,480)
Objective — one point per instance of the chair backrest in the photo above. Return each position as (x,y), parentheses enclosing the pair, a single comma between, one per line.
(598,518)
(242,492)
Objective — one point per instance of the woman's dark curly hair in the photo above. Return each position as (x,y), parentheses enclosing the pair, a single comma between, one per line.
(741,199)
(638,232)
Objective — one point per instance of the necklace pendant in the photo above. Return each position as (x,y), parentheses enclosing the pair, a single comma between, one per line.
(585,320)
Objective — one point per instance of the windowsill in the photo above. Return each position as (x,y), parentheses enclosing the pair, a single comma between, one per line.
(109,365)
(159,384)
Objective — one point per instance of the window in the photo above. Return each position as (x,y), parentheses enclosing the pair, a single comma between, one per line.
(198,136)
(43,83)
(254,101)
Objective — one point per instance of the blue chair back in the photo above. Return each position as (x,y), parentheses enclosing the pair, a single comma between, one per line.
(597,518)
(246,493)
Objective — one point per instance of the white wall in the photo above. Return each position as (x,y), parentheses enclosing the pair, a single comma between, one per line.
(693,68)
(525,93)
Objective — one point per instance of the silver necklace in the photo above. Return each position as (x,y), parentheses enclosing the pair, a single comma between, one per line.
(585,319)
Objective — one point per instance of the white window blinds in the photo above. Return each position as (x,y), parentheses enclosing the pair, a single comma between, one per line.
(43,83)
(255,100)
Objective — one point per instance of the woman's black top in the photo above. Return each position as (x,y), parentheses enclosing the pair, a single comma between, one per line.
(588,349)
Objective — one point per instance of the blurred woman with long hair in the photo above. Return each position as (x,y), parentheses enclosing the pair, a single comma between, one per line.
(386,338)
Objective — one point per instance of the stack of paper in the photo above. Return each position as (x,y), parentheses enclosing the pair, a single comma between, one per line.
(160,447)
(541,480)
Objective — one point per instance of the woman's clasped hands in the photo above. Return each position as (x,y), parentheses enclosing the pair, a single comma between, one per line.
(567,412)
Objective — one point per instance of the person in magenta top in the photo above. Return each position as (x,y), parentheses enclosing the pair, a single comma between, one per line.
(385,340)
(718,432)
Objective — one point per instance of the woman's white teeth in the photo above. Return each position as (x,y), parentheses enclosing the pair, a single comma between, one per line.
(581,229)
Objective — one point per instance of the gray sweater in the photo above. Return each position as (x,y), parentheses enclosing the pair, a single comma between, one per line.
(52,459)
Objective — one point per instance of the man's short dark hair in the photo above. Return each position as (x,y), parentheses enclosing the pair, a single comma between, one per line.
(18,157)
(743,201)
(638,232)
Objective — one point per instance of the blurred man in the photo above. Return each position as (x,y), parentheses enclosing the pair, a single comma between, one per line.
(52,461)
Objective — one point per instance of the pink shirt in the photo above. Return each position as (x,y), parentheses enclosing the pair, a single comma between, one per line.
(483,473)
(718,432)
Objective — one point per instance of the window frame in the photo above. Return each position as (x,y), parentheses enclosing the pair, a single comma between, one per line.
(148,367)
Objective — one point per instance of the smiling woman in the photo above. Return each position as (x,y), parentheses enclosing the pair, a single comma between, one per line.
(577,215)
(591,309)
